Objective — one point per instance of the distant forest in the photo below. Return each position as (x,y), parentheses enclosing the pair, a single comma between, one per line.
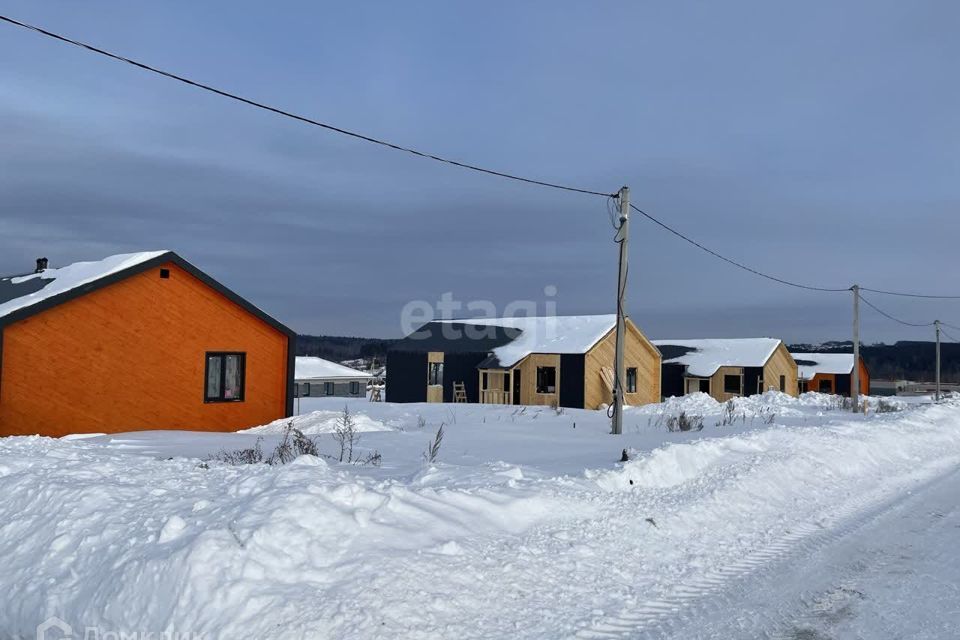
(905,360)
(339,348)
(901,361)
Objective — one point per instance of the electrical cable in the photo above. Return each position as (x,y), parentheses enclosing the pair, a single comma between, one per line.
(730,261)
(887,315)
(288,114)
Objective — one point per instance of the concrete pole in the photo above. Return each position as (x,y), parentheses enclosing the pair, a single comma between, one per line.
(622,238)
(936,323)
(855,387)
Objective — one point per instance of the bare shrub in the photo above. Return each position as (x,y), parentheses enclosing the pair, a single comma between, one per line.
(293,443)
(346,435)
(888,407)
(730,415)
(433,449)
(253,455)
(373,459)
(421,422)
(684,422)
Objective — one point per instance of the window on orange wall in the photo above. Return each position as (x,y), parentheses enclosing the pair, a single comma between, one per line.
(224,377)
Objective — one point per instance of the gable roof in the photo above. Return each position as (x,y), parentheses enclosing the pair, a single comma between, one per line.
(510,340)
(703,357)
(26,295)
(20,292)
(810,364)
(312,368)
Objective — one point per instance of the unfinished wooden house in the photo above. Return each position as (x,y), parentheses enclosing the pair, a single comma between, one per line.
(726,368)
(564,361)
(137,341)
(830,373)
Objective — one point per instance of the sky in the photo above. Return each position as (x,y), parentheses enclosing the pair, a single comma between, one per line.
(815,141)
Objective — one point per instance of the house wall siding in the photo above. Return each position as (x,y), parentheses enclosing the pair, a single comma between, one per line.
(528,379)
(406,376)
(781,363)
(637,352)
(131,356)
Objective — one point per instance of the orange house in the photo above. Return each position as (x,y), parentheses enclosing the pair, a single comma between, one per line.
(830,373)
(137,341)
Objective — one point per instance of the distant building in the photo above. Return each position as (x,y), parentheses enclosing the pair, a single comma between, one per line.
(316,377)
(829,373)
(566,361)
(137,341)
(726,368)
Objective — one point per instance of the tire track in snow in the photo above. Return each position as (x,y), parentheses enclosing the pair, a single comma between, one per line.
(680,613)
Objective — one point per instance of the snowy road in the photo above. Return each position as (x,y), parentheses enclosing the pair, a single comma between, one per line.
(889,573)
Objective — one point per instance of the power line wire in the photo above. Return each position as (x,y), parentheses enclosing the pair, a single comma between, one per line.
(947,324)
(947,334)
(431,156)
(729,260)
(282,112)
(909,295)
(887,315)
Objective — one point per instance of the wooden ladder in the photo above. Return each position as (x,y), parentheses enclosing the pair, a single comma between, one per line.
(459,392)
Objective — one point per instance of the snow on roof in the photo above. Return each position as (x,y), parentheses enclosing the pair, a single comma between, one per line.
(705,356)
(810,364)
(546,334)
(311,368)
(19,292)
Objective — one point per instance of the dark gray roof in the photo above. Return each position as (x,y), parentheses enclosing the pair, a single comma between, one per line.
(456,337)
(671,351)
(10,290)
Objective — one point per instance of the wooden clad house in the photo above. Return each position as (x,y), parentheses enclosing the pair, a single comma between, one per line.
(565,361)
(727,368)
(316,377)
(830,373)
(137,341)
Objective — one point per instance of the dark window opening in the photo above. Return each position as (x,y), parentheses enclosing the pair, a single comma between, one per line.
(826,386)
(632,380)
(164,273)
(732,384)
(224,377)
(354,388)
(328,388)
(705,385)
(506,381)
(306,390)
(783,384)
(435,374)
(486,381)
(804,386)
(546,379)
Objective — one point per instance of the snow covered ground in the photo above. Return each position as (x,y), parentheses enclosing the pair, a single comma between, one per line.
(781,518)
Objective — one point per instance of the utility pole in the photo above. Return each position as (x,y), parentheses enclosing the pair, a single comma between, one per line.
(936,324)
(855,387)
(622,237)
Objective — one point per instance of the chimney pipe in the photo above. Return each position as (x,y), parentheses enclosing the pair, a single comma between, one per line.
(41,265)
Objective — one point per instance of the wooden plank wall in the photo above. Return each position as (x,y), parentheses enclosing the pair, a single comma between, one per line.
(528,379)
(638,352)
(131,356)
(781,363)
(716,384)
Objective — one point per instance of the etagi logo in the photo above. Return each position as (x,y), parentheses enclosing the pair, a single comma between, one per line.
(54,629)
